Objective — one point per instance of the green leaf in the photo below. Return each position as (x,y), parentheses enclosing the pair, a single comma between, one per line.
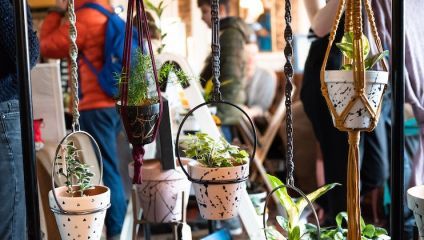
(368,231)
(370,62)
(338,236)
(301,203)
(284,223)
(347,67)
(283,196)
(346,49)
(294,234)
(340,217)
(380,231)
(346,45)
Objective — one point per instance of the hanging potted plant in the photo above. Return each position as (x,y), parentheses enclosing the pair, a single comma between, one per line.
(142,110)
(415,200)
(354,112)
(79,207)
(216,160)
(140,102)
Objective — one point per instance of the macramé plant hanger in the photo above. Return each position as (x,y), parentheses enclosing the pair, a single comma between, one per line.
(354,96)
(77,216)
(288,72)
(224,191)
(141,119)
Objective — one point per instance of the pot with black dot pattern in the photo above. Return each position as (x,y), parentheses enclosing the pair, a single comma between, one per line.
(415,199)
(80,217)
(352,109)
(218,201)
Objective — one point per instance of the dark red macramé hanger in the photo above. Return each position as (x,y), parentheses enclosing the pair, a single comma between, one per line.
(141,122)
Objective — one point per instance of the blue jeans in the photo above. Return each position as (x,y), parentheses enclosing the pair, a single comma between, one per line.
(12,192)
(104,125)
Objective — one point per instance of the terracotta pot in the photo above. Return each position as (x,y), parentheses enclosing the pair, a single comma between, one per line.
(340,85)
(160,193)
(141,121)
(220,201)
(415,199)
(88,226)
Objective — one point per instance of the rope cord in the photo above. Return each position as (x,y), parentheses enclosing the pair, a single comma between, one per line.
(216,50)
(73,54)
(288,71)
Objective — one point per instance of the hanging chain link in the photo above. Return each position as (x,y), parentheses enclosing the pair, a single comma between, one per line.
(73,54)
(288,71)
(216,50)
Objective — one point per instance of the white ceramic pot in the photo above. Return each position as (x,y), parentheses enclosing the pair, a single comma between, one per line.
(160,193)
(340,85)
(88,226)
(218,201)
(415,199)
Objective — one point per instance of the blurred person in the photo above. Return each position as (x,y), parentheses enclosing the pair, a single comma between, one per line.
(234,35)
(97,109)
(260,85)
(333,143)
(12,193)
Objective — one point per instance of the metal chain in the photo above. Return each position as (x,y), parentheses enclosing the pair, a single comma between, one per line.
(216,50)
(73,54)
(288,71)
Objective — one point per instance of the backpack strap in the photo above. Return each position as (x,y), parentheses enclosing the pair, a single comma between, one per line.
(99,8)
(105,12)
(89,64)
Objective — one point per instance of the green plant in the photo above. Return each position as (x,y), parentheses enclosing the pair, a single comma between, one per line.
(158,11)
(140,80)
(346,47)
(294,208)
(368,231)
(213,153)
(78,175)
(170,67)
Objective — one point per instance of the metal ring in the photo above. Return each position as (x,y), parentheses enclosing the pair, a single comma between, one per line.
(54,166)
(63,212)
(303,195)
(177,148)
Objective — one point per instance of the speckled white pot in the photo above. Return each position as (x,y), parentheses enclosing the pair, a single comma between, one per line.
(415,199)
(160,192)
(340,85)
(218,201)
(87,226)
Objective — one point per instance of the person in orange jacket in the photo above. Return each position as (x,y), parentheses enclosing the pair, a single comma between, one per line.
(98,115)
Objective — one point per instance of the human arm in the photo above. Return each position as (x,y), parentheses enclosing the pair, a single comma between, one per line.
(321,16)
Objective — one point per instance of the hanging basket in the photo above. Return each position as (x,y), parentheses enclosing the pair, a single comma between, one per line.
(160,192)
(349,109)
(354,97)
(415,200)
(141,122)
(217,189)
(79,217)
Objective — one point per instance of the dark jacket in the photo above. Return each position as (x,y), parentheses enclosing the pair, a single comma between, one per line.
(234,35)
(8,64)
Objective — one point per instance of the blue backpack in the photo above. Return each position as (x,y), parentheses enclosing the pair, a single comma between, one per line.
(113,51)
